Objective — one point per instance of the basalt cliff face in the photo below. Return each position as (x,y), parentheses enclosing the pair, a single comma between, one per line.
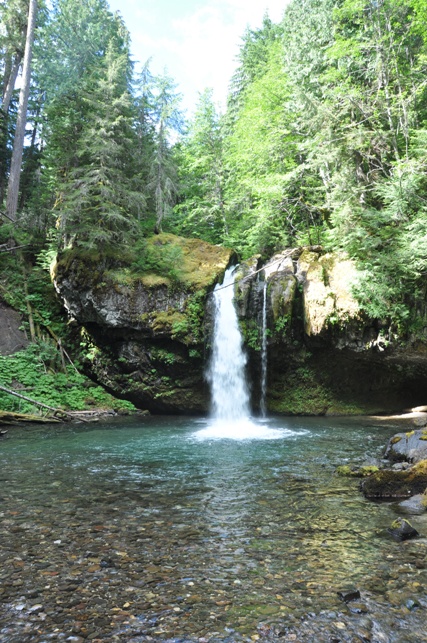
(148,336)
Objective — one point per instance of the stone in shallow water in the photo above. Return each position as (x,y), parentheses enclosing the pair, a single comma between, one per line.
(401,529)
(348,595)
(413,505)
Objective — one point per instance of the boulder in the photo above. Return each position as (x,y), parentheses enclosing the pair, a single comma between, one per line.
(415,506)
(146,329)
(407,447)
(387,484)
(12,338)
(402,529)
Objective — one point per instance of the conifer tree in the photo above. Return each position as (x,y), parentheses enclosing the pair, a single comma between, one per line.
(18,143)
(201,209)
(98,201)
(163,174)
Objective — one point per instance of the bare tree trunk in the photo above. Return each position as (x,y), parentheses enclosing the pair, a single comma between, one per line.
(18,143)
(10,86)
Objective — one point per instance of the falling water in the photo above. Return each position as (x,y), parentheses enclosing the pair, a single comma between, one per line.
(230,396)
(263,404)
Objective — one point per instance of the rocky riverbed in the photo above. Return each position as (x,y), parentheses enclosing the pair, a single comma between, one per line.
(134,533)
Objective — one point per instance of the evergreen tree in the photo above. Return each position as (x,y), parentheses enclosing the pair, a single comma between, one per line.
(163,174)
(98,204)
(18,141)
(201,209)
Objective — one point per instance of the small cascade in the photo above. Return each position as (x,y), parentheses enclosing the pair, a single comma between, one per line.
(230,395)
(263,402)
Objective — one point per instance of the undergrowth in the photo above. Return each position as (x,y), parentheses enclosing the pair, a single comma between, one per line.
(33,373)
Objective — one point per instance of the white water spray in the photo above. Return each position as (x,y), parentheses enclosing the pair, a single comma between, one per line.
(263,402)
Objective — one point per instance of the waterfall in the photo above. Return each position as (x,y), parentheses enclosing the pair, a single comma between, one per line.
(231,418)
(263,403)
(230,395)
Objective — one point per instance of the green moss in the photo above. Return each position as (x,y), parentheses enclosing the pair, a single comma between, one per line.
(356,472)
(163,259)
(301,392)
(397,484)
(368,470)
(396,439)
(397,524)
(345,470)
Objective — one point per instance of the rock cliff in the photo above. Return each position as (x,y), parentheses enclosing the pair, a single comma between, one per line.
(325,356)
(147,330)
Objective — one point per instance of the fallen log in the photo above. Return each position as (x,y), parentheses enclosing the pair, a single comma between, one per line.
(56,412)
(8,417)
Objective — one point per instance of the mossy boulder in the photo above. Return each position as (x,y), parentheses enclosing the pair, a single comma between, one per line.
(388,484)
(401,529)
(352,471)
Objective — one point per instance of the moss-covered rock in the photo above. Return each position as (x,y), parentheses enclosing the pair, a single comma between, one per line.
(388,484)
(351,471)
(144,319)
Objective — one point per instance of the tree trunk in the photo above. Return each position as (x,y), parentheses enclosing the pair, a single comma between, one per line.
(10,85)
(18,143)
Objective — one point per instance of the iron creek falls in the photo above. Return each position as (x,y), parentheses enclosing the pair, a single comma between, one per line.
(228,525)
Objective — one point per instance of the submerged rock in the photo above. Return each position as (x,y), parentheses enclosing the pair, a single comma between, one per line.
(348,595)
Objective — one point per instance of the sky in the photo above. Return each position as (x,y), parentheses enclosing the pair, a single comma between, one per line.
(197,41)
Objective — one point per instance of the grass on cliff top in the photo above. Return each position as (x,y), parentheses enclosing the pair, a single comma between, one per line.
(163,259)
(166,258)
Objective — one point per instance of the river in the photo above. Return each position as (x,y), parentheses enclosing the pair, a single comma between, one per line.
(155,529)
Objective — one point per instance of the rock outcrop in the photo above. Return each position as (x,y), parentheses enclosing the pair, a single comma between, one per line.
(408,447)
(325,356)
(145,332)
(12,338)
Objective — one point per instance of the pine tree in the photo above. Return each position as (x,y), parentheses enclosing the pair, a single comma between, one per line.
(201,209)
(99,204)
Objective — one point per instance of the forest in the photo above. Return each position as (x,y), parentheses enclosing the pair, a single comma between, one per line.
(323,142)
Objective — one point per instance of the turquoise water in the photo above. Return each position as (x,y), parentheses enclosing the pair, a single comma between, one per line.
(156,528)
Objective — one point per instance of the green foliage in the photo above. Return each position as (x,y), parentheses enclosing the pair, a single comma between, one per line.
(281,325)
(199,156)
(164,356)
(34,373)
(252,334)
(163,259)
